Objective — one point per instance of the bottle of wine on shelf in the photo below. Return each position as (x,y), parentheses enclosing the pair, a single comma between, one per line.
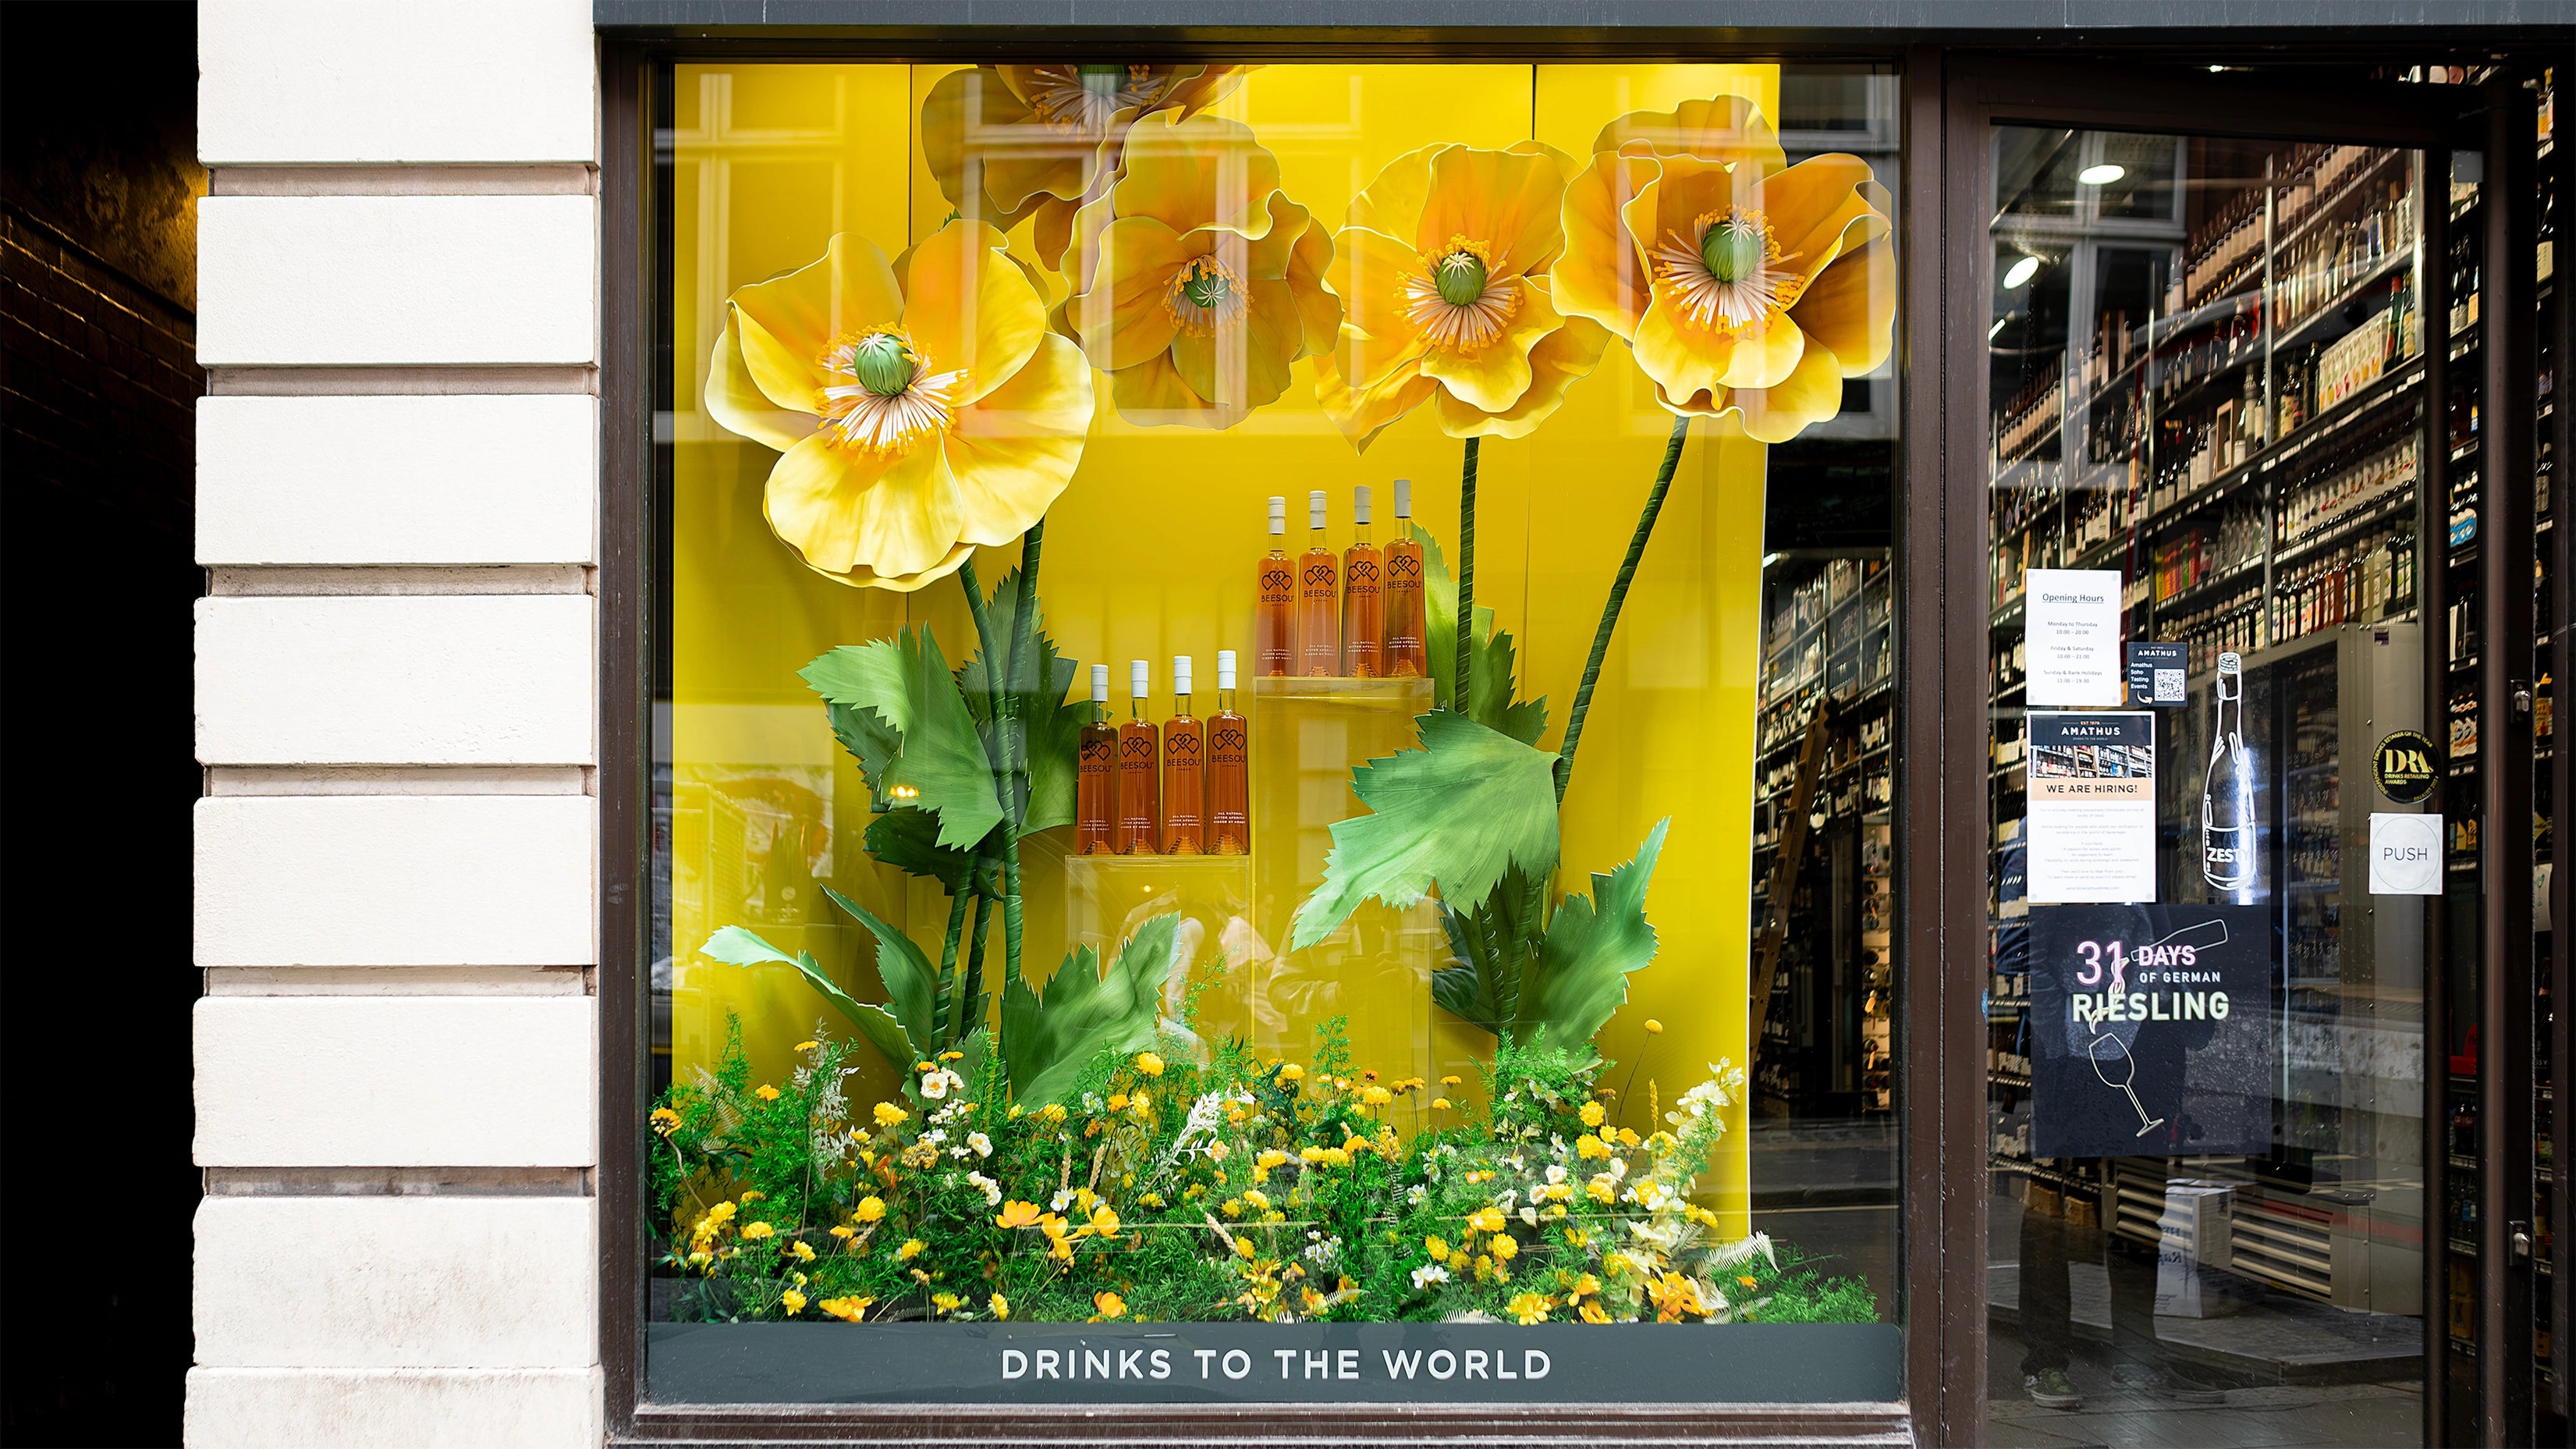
(1319,631)
(1229,791)
(1404,657)
(1140,750)
(1274,643)
(1363,595)
(1096,788)
(1184,770)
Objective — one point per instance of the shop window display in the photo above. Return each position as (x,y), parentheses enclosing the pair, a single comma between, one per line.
(1383,957)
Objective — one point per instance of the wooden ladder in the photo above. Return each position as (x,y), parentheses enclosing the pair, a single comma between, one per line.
(1784,877)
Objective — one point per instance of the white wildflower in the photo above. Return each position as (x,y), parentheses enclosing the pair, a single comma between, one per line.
(1428,1274)
(992,1190)
(982,1144)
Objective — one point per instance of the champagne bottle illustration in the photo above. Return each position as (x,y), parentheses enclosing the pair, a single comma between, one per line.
(2227,795)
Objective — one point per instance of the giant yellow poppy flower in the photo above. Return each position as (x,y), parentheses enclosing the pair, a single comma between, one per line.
(1443,274)
(1743,283)
(1008,142)
(920,406)
(1197,281)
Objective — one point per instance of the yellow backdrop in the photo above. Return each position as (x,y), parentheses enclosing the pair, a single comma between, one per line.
(1150,554)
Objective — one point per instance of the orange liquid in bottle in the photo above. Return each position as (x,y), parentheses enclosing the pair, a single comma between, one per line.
(1140,749)
(1319,630)
(1274,636)
(1229,794)
(1363,597)
(1184,770)
(1404,656)
(1096,787)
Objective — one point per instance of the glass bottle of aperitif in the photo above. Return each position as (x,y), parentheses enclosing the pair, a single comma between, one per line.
(1405,652)
(1184,770)
(1096,788)
(1140,750)
(1319,633)
(1229,792)
(1274,642)
(1363,599)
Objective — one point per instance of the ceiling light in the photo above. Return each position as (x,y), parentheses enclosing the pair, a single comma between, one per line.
(1998,327)
(2022,271)
(2102,175)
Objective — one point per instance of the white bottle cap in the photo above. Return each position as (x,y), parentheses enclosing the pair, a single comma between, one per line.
(1180,674)
(1360,505)
(1404,498)
(1140,679)
(1100,684)
(1278,515)
(1315,509)
(1225,669)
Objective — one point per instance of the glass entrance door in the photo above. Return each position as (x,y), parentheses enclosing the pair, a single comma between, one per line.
(2218,651)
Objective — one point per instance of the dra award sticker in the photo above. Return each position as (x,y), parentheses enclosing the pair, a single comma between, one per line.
(2407,767)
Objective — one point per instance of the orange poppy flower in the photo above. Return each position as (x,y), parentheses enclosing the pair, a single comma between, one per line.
(921,406)
(1196,280)
(1443,272)
(1743,283)
(1010,142)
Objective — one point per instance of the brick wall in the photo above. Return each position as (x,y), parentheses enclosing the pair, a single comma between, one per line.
(395,861)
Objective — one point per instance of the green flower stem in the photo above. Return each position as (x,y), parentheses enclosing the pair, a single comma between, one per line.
(1461,696)
(994,694)
(974,991)
(948,951)
(1014,747)
(1618,598)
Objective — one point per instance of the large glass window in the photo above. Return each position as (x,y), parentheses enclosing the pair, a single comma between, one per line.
(1273,767)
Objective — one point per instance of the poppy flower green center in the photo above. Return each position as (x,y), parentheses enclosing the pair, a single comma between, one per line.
(1460,276)
(883,364)
(1207,290)
(1732,250)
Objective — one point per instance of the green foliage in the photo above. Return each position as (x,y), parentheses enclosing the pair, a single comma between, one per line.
(1459,812)
(1050,1036)
(941,766)
(738,947)
(1494,705)
(908,840)
(1051,727)
(1493,947)
(1592,946)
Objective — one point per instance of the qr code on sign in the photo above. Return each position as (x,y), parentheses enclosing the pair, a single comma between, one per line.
(2169,686)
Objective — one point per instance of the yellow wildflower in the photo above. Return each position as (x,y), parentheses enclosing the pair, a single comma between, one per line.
(1243,1247)
(757,1231)
(753,1196)
(807,1046)
(1486,1220)
(1591,1312)
(912,1248)
(1109,1304)
(792,1301)
(1257,1198)
(946,1302)
(1017,1214)
(1150,1063)
(1052,1114)
(1150,1199)
(765,1092)
(1440,1104)
(1232,1207)
(1588,1146)
(1577,1238)
(1437,1247)
(870,1209)
(1602,1189)
(1654,1027)
(1452,1081)
(999,1306)
(1503,1248)
(1290,1072)
(1592,1114)
(665,1121)
(1104,1221)
(1628,1137)
(890,1115)
(845,1309)
(1746,1279)
(1375,1096)
(1529,1307)
(845,1232)
(803,1250)
(1118,1101)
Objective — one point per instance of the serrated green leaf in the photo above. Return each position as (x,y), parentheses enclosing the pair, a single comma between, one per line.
(1494,701)
(1048,1037)
(863,692)
(1051,726)
(942,766)
(1458,812)
(1595,943)
(737,947)
(911,981)
(870,741)
(1494,947)
(908,840)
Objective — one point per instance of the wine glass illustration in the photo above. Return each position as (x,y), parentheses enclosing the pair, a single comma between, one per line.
(2128,1074)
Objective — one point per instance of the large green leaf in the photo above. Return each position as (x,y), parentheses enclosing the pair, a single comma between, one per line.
(870,740)
(738,947)
(1049,1036)
(863,690)
(911,981)
(908,840)
(1494,948)
(1470,804)
(1595,943)
(942,766)
(1051,726)
(1493,700)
